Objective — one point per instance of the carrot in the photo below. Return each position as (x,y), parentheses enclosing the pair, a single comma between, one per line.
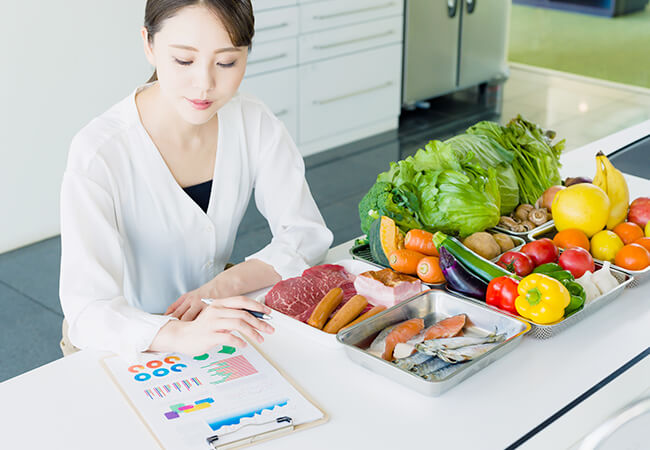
(364,316)
(429,270)
(405,261)
(420,241)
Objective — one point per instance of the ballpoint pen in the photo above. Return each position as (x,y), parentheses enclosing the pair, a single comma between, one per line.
(259,315)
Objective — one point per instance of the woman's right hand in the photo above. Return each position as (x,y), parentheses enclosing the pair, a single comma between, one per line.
(214,326)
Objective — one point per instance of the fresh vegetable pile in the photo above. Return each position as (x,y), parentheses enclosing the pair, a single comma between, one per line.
(465,184)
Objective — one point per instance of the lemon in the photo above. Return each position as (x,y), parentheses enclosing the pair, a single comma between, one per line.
(647,229)
(605,245)
(583,206)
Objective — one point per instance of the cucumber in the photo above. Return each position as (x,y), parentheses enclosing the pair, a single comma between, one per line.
(480,267)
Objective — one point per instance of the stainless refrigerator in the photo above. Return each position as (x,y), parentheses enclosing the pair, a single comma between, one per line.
(453,44)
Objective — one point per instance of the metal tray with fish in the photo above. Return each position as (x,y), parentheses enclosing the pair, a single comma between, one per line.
(523,234)
(539,331)
(549,231)
(433,306)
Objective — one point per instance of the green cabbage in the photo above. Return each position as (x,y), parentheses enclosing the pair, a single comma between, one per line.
(488,153)
(448,191)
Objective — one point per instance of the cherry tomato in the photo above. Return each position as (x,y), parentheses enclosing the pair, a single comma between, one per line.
(516,262)
(577,260)
(542,251)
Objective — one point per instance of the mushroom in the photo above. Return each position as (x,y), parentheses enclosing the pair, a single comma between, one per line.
(538,216)
(508,222)
(523,210)
(527,225)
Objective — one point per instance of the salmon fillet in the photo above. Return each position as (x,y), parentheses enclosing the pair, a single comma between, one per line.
(446,328)
(401,333)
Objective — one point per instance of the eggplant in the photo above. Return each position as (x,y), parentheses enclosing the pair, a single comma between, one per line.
(459,278)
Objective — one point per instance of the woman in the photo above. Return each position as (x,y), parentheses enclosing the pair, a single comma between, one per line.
(155,188)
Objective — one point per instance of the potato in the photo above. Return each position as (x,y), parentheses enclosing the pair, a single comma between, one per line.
(483,243)
(505,242)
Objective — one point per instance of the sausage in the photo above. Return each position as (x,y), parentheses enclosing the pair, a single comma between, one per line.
(321,313)
(370,313)
(346,314)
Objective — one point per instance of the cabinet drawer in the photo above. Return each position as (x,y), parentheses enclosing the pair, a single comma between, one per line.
(353,38)
(347,92)
(279,91)
(263,5)
(335,13)
(276,24)
(272,56)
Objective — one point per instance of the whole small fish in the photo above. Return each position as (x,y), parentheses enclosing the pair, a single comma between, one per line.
(443,372)
(464,353)
(430,366)
(411,361)
(432,346)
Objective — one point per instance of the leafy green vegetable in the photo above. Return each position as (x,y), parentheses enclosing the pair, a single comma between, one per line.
(488,153)
(537,160)
(384,199)
(444,190)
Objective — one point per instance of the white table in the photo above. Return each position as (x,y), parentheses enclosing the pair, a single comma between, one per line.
(71,403)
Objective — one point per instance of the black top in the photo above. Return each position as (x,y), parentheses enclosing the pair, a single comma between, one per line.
(200,193)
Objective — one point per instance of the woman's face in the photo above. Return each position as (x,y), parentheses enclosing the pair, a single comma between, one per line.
(199,70)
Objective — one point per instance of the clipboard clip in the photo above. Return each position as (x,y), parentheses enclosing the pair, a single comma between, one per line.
(285,421)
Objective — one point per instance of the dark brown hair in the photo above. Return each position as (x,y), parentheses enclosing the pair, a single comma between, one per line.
(236,16)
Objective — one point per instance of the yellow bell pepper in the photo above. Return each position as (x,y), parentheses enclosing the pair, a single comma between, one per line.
(542,299)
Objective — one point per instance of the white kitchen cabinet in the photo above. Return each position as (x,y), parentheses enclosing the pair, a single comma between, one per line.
(349,39)
(335,13)
(278,91)
(276,24)
(335,101)
(330,69)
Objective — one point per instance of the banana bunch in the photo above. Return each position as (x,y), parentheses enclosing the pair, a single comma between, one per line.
(611,180)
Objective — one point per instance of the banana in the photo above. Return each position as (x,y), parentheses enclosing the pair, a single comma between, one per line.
(611,180)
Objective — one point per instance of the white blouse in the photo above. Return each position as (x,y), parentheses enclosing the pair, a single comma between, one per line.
(133,241)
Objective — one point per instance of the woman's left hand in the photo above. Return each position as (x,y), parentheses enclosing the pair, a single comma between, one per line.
(189,305)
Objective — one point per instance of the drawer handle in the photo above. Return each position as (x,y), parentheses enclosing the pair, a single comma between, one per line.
(355,11)
(273,27)
(282,112)
(352,94)
(270,58)
(352,41)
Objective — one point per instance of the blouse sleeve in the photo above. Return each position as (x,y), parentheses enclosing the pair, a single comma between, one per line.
(300,236)
(91,292)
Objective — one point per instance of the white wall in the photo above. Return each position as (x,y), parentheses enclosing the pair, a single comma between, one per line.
(61,64)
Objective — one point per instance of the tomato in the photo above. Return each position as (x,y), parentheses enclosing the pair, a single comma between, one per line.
(516,262)
(577,260)
(542,251)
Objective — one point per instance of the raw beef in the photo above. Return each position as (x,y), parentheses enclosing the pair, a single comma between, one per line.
(297,297)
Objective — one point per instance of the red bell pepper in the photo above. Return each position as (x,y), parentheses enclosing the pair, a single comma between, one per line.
(502,292)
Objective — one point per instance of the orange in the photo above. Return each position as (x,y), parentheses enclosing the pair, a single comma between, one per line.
(644,242)
(628,232)
(633,257)
(571,237)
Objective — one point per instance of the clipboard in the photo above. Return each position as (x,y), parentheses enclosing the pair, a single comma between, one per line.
(285,424)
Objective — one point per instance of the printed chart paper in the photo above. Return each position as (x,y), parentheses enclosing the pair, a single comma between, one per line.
(232,393)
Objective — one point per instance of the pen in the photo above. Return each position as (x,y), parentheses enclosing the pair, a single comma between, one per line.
(257,314)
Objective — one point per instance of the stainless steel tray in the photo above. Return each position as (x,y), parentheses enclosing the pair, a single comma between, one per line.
(524,234)
(539,331)
(432,306)
(549,231)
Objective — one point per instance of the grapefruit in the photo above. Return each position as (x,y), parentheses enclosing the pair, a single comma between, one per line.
(582,206)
